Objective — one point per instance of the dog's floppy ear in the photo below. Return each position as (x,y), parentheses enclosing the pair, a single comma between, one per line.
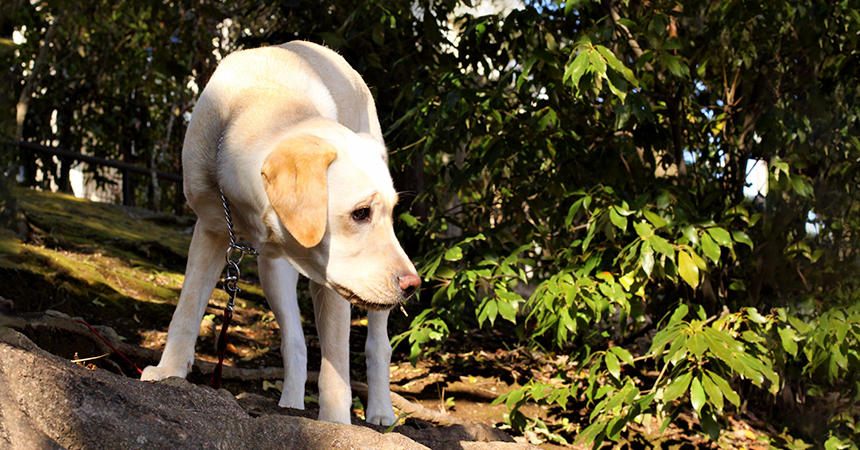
(295,179)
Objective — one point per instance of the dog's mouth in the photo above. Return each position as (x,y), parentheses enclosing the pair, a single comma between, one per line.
(353,298)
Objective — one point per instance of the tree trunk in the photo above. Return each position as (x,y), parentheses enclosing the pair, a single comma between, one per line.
(27,92)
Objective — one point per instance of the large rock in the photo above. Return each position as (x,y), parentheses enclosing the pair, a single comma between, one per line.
(47,402)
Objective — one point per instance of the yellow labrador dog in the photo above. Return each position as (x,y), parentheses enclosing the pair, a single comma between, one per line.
(290,135)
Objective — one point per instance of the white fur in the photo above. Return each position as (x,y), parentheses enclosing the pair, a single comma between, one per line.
(255,99)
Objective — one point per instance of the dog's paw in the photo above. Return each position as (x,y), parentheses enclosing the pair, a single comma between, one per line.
(384,418)
(295,400)
(156,373)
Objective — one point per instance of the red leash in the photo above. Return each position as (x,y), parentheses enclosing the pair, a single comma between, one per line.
(215,382)
(115,350)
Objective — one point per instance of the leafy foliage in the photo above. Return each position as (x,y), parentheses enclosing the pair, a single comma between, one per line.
(596,164)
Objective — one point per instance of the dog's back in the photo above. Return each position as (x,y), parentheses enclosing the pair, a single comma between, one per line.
(271,88)
(355,108)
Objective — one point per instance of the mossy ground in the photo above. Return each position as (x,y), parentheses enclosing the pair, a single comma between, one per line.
(116,266)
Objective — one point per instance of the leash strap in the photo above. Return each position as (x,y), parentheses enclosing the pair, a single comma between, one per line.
(230,284)
(115,350)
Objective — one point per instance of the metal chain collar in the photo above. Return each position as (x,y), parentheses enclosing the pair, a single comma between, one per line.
(235,253)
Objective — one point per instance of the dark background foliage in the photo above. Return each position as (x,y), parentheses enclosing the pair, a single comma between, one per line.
(572,173)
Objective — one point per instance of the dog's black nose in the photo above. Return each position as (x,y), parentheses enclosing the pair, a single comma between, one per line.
(408,283)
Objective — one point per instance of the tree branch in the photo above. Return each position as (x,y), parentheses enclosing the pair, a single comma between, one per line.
(24,98)
(628,35)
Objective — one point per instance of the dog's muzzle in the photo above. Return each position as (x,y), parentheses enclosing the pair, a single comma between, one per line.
(356,300)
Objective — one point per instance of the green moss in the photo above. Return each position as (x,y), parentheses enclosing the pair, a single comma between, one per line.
(108,264)
(10,248)
(124,232)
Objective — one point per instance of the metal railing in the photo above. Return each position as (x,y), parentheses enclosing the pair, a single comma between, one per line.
(126,169)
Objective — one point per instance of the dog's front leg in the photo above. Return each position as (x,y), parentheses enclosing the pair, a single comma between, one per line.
(378,352)
(205,261)
(332,317)
(279,280)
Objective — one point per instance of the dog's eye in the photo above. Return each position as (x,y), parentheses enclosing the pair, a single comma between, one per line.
(361,214)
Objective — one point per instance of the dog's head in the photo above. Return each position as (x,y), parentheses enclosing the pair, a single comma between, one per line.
(331,192)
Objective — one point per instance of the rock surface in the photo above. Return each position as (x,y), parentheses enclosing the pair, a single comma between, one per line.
(49,402)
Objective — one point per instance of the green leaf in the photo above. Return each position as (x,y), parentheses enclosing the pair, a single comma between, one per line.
(752,337)
(616,91)
(799,325)
(576,69)
(588,236)
(490,311)
(430,269)
(690,233)
(720,348)
(710,425)
(643,229)
(725,388)
(598,65)
(410,220)
(663,337)
(737,285)
(715,396)
(743,238)
(617,219)
(697,344)
(721,236)
(677,387)
(568,322)
(508,311)
(514,397)
(613,429)
(622,354)
(590,433)
(674,64)
(655,220)
(568,7)
(646,258)
(454,254)
(571,213)
(698,261)
(751,368)
(710,248)
(800,186)
(527,67)
(687,268)
(789,340)
(612,365)
(677,350)
(697,395)
(616,64)
(834,443)
(679,313)
(662,246)
(755,316)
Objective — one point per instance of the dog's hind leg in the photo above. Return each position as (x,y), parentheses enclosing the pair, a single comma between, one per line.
(332,316)
(377,349)
(279,280)
(205,261)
